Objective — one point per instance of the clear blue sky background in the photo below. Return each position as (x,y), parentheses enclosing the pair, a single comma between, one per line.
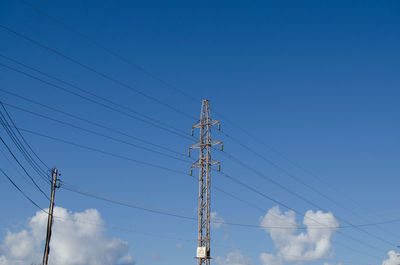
(317,80)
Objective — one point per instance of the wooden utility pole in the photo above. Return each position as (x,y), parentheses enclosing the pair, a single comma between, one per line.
(204,163)
(54,185)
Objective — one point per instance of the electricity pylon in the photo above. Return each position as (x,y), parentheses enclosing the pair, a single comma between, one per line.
(55,183)
(204,163)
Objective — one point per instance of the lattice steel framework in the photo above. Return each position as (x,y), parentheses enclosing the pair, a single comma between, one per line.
(204,163)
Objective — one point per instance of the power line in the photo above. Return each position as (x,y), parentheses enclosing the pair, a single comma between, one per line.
(115,202)
(92,122)
(136,161)
(88,92)
(286,158)
(98,150)
(23,138)
(77,190)
(292,176)
(178,172)
(7,127)
(105,76)
(20,146)
(16,170)
(26,172)
(67,124)
(113,53)
(186,174)
(80,221)
(95,224)
(23,193)
(85,193)
(129,159)
(181,173)
(298,195)
(102,151)
(95,102)
(256,191)
(95,132)
(158,78)
(140,68)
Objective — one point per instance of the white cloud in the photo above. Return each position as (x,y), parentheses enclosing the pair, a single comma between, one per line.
(233,258)
(216,220)
(394,258)
(77,239)
(306,246)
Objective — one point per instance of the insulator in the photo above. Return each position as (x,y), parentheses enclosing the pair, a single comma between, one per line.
(189,153)
(191,133)
(191,172)
(219,126)
(222,147)
(219,167)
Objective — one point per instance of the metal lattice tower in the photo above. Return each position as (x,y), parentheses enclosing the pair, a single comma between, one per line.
(204,163)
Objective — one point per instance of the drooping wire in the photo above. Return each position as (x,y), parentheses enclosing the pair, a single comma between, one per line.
(102,151)
(101,74)
(21,191)
(178,172)
(78,190)
(152,75)
(314,204)
(297,179)
(92,122)
(137,207)
(95,133)
(105,49)
(88,92)
(113,53)
(135,161)
(20,146)
(123,204)
(180,134)
(23,168)
(116,202)
(7,127)
(23,138)
(16,169)
(19,108)
(262,194)
(96,150)
(156,77)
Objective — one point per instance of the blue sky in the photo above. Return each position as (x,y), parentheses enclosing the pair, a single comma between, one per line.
(316,80)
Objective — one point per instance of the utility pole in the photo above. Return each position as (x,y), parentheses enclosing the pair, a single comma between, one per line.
(204,163)
(55,183)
